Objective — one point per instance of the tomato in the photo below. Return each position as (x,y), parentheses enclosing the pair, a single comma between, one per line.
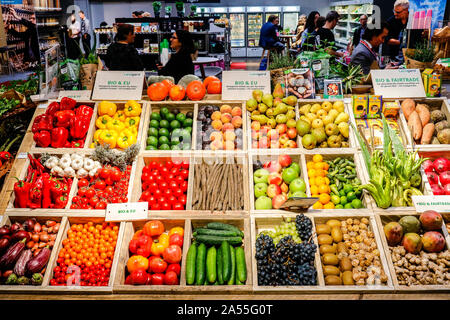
(164,186)
(153,187)
(154,173)
(104,173)
(174,171)
(145,195)
(172,199)
(184,173)
(123,199)
(155,206)
(157,193)
(176,239)
(137,262)
(175,267)
(157,265)
(109,190)
(145,176)
(159,180)
(170,178)
(162,200)
(178,192)
(170,278)
(76,199)
(172,254)
(101,205)
(166,206)
(146,169)
(157,279)
(167,193)
(179,179)
(100,185)
(164,171)
(178,206)
(153,228)
(151,200)
(177,164)
(169,164)
(82,191)
(94,200)
(184,186)
(74,206)
(173,185)
(83,183)
(114,200)
(176,230)
(90,193)
(153,165)
(185,165)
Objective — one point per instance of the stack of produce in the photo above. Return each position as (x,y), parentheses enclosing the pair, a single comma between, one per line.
(170,130)
(218,187)
(155,255)
(89,246)
(216,256)
(273,120)
(117,128)
(220,128)
(394,174)
(428,125)
(349,253)
(418,249)
(25,250)
(42,188)
(63,125)
(164,185)
(5,155)
(26,87)
(189,86)
(276,181)
(70,165)
(323,125)
(289,261)
(319,183)
(438,171)
(7,104)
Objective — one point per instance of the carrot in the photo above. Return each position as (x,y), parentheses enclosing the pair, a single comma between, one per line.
(408,106)
(427,133)
(424,114)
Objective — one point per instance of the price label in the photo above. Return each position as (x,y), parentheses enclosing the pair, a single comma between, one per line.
(118,85)
(127,211)
(401,83)
(436,203)
(75,94)
(239,85)
(22,155)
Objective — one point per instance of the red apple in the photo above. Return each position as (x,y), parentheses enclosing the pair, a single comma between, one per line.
(284,138)
(292,133)
(256,125)
(284,187)
(273,166)
(263,143)
(274,144)
(273,190)
(290,144)
(272,134)
(278,201)
(281,128)
(285,160)
(275,178)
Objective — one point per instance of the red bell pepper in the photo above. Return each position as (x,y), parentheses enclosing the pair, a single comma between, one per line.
(84,110)
(63,118)
(59,137)
(46,194)
(42,139)
(60,202)
(77,144)
(139,277)
(79,126)
(21,193)
(56,190)
(36,192)
(52,108)
(67,103)
(42,122)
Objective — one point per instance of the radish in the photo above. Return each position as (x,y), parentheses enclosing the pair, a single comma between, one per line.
(437,190)
(444,178)
(447,189)
(441,165)
(432,178)
(428,166)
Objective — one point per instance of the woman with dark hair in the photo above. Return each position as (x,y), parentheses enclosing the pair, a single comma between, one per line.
(310,26)
(313,39)
(121,54)
(180,62)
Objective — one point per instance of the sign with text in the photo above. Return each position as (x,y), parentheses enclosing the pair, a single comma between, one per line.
(398,83)
(127,211)
(436,203)
(75,94)
(118,85)
(238,85)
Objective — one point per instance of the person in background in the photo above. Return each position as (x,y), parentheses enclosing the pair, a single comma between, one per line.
(301,24)
(313,39)
(180,63)
(104,38)
(29,36)
(359,32)
(74,35)
(268,35)
(326,34)
(121,54)
(310,26)
(84,31)
(137,14)
(396,39)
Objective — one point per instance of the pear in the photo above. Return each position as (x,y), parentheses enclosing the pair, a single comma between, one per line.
(291,100)
(262,108)
(333,113)
(306,119)
(315,107)
(317,123)
(334,141)
(319,134)
(309,142)
(344,129)
(257,95)
(303,127)
(276,101)
(269,112)
(290,114)
(328,119)
(339,106)
(304,110)
(281,118)
(311,116)
(260,118)
(251,104)
(278,91)
(331,129)
(291,123)
(279,109)
(272,123)
(342,117)
(267,99)
(255,112)
(327,106)
(321,114)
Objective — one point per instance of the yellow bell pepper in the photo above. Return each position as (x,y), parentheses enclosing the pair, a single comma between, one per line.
(116,125)
(108,137)
(132,122)
(132,109)
(120,115)
(106,107)
(126,139)
(92,146)
(97,134)
(102,121)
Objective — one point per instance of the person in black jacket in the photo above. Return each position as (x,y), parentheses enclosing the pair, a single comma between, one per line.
(122,55)
(359,32)
(180,62)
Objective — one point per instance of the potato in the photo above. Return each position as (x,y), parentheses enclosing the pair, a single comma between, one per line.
(347,278)
(444,136)
(323,229)
(326,248)
(329,258)
(408,106)
(415,125)
(342,247)
(324,239)
(336,233)
(424,113)
(345,264)
(334,223)
(427,133)
(437,116)
(331,270)
(333,280)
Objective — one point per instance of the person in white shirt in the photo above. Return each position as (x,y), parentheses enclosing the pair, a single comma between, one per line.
(84,32)
(73,45)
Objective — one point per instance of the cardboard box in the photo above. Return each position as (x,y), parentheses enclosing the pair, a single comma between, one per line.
(432,83)
(375,107)
(360,106)
(391,109)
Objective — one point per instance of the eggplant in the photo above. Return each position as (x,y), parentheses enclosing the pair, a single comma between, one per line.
(28,225)
(20,235)
(20,267)
(39,261)
(4,244)
(15,227)
(13,253)
(4,231)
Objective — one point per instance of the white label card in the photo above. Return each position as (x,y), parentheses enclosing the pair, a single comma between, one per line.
(127,211)
(398,83)
(437,203)
(239,85)
(118,85)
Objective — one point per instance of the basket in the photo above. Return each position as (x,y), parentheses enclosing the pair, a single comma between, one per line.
(414,64)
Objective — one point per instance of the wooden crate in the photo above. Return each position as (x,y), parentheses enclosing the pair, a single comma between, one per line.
(21,217)
(209,97)
(432,155)
(269,221)
(129,229)
(156,106)
(382,220)
(84,289)
(323,218)
(272,155)
(244,124)
(49,149)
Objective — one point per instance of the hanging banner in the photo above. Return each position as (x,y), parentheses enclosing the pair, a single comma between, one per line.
(426,14)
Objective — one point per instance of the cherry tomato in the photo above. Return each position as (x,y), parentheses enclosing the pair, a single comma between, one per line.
(116,175)
(154,173)
(177,164)
(157,193)
(164,186)
(145,195)
(74,206)
(164,171)
(146,169)
(185,165)
(145,176)
(184,173)
(177,206)
(76,199)
(101,205)
(178,192)
(109,190)
(179,179)
(151,200)
(160,179)
(153,165)
(109,181)
(169,164)
(183,199)
(82,191)
(172,199)
(100,185)
(123,199)
(159,166)
(90,193)
(174,171)
(167,193)
(93,201)
(184,186)
(166,206)
(162,200)
(83,183)
(153,187)
(170,177)
(155,206)
(104,173)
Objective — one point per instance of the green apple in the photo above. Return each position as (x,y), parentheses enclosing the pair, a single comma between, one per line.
(299,194)
(260,189)
(263,203)
(289,174)
(295,166)
(297,185)
(261,175)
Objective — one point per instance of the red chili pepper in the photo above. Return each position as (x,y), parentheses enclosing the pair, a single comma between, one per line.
(63,117)
(79,126)
(46,197)
(52,108)
(59,137)
(84,110)
(77,144)
(42,122)
(67,103)
(36,191)
(21,193)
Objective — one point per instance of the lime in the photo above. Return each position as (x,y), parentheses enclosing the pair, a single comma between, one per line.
(152,132)
(154,124)
(164,132)
(357,204)
(342,192)
(358,193)
(343,200)
(175,124)
(152,141)
(351,196)
(348,206)
(174,142)
(339,206)
(188,129)
(151,148)
(155,116)
(175,147)
(180,117)
(348,188)
(163,140)
(164,124)
(164,147)
(170,117)
(164,112)
(335,199)
(187,123)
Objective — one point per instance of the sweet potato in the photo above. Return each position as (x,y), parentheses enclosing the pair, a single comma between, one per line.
(427,134)
(424,114)
(408,106)
(415,125)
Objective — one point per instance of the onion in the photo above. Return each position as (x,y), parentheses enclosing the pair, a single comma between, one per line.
(37,227)
(44,237)
(28,225)
(35,237)
(15,227)
(4,231)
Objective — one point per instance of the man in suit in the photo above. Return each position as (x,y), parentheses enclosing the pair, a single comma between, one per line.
(357,36)
(268,35)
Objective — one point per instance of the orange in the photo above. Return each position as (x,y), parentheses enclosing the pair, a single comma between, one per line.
(318,165)
(329,205)
(312,181)
(317,158)
(314,189)
(311,173)
(320,181)
(317,205)
(324,198)
(326,166)
(323,188)
(310,165)
(315,195)
(320,173)
(327,181)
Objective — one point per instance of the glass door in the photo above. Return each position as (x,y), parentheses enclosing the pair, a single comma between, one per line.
(290,20)
(237,21)
(254,24)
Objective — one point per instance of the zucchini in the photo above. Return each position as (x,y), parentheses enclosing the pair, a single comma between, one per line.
(217,240)
(200,264)
(190,264)
(241,267)
(219,266)
(233,266)
(211,272)
(213,232)
(226,261)
(224,226)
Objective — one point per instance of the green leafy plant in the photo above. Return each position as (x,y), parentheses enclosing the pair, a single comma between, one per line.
(92,56)
(278,61)
(424,52)
(179,5)
(156,6)
(351,75)
(168,9)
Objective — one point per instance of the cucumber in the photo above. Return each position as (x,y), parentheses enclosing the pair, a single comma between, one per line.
(211,272)
(219,266)
(213,232)
(241,267)
(224,226)
(226,261)
(200,264)
(190,263)
(217,240)
(233,266)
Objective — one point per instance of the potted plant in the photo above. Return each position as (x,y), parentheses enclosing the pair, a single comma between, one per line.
(168,10)
(156,8)
(193,10)
(179,5)
(422,57)
(89,67)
